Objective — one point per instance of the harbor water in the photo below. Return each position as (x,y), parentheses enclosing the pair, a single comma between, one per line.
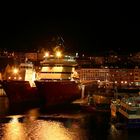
(64,123)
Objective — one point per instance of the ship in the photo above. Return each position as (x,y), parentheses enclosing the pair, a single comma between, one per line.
(128,113)
(57,81)
(19,85)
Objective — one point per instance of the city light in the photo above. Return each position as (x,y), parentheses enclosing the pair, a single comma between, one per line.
(58,54)
(15,70)
(47,54)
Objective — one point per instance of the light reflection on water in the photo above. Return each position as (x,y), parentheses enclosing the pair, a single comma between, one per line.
(76,125)
(13,130)
(38,130)
(34,126)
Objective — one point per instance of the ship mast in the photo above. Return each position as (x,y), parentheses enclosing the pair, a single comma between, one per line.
(59,43)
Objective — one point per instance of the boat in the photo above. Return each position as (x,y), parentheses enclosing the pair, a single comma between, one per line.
(101,99)
(98,101)
(19,85)
(57,81)
(102,102)
(129,112)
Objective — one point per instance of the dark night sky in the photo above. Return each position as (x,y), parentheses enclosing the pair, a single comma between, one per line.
(91,29)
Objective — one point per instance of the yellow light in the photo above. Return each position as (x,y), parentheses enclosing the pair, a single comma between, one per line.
(14,130)
(47,54)
(20,78)
(15,71)
(14,119)
(58,54)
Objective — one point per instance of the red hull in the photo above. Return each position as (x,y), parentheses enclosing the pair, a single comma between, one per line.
(56,93)
(20,92)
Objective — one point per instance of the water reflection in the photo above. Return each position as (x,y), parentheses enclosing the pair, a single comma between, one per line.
(116,134)
(39,130)
(64,125)
(13,130)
